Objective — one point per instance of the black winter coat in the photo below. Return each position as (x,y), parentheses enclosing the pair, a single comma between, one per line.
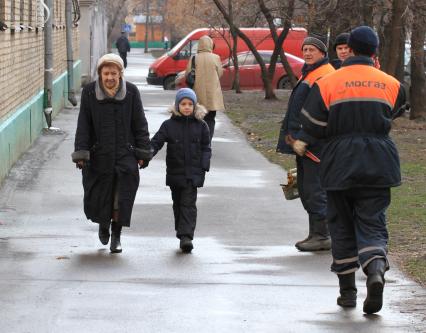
(122,44)
(112,135)
(188,147)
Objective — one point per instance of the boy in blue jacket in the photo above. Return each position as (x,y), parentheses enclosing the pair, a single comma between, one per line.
(187,160)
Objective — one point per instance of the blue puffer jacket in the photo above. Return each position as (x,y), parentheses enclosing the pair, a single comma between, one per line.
(291,124)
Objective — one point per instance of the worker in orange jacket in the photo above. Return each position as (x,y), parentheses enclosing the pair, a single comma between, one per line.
(292,139)
(352,109)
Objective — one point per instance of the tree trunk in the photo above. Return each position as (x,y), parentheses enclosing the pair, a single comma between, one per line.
(395,41)
(269,91)
(146,26)
(234,53)
(418,80)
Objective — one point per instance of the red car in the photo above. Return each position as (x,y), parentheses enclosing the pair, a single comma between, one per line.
(250,74)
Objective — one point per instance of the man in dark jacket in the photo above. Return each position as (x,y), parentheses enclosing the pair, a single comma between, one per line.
(123,46)
(342,50)
(293,139)
(112,139)
(352,109)
(188,158)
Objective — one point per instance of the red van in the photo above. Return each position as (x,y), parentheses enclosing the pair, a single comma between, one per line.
(163,70)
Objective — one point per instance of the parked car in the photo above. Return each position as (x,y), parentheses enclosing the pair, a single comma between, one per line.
(250,73)
(163,70)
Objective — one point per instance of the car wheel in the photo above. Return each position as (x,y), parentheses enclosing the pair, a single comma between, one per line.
(284,83)
(169,83)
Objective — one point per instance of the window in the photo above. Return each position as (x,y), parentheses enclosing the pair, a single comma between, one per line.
(246,59)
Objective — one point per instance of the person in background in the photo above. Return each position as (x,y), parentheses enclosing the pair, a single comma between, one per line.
(188,159)
(352,109)
(123,46)
(111,141)
(342,50)
(208,70)
(293,140)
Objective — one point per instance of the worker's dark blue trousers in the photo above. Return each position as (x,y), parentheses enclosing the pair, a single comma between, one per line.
(312,195)
(357,224)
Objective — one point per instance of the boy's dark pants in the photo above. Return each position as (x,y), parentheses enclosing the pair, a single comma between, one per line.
(185,209)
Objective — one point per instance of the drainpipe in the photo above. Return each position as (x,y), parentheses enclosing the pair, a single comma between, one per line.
(70,61)
(48,62)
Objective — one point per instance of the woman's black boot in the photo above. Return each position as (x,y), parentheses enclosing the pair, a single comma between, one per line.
(347,298)
(115,246)
(103,234)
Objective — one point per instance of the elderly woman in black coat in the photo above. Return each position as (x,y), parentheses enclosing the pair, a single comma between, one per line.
(111,142)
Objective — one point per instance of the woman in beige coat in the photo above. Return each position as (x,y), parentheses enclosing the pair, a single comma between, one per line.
(208,70)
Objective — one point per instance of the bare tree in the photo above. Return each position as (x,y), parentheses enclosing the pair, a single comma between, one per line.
(116,10)
(393,39)
(418,80)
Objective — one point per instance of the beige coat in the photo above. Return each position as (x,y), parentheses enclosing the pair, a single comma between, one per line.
(208,70)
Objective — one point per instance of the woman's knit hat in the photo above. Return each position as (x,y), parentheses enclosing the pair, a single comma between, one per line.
(110,59)
(318,43)
(363,40)
(185,93)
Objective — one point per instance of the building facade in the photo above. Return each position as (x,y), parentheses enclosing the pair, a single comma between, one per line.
(22,55)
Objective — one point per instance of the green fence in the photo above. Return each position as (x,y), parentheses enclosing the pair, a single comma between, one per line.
(141,45)
(19,130)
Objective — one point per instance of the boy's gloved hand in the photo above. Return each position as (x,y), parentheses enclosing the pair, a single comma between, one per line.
(299,147)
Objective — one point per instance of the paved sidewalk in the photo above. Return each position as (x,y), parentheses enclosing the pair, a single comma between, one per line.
(244,274)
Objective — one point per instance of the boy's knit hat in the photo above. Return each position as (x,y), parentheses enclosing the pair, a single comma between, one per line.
(318,43)
(185,93)
(363,40)
(341,39)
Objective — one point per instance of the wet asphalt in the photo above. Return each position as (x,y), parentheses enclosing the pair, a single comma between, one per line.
(244,274)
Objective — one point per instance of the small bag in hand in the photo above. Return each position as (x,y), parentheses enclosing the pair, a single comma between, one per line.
(190,77)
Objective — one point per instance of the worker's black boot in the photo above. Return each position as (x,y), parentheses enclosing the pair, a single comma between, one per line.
(320,239)
(309,235)
(375,285)
(347,298)
(103,233)
(115,246)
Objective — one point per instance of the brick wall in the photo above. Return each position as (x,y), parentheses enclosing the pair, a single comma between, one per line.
(22,50)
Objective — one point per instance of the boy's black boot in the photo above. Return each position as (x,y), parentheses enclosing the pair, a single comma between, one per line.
(186,244)
(347,298)
(115,246)
(375,285)
(103,234)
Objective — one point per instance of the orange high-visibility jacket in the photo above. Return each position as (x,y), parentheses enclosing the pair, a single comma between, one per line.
(352,109)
